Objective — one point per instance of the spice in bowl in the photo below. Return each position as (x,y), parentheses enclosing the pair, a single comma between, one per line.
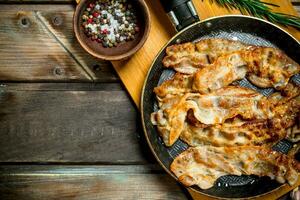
(110,22)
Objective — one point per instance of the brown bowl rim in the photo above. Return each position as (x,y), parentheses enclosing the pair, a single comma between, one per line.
(114,57)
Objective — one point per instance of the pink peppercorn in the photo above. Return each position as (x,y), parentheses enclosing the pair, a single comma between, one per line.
(91,5)
(96,14)
(105,31)
(90,20)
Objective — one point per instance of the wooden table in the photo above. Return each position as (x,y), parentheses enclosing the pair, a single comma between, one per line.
(68,128)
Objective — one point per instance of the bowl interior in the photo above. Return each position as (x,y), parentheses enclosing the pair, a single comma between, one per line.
(121,50)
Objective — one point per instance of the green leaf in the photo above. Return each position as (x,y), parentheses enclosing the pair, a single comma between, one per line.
(260,9)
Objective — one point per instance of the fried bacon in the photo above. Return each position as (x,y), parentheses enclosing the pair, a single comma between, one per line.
(263,66)
(246,132)
(178,85)
(225,70)
(229,129)
(189,57)
(203,165)
(215,64)
(293,133)
(269,67)
(208,109)
(262,121)
(254,132)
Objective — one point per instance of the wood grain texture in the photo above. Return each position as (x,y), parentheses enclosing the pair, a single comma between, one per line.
(88,182)
(161,32)
(42,39)
(297,8)
(69,123)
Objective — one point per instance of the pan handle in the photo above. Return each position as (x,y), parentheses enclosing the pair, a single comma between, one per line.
(182,13)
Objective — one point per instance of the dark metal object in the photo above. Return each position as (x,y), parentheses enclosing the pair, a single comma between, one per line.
(245,29)
(181,13)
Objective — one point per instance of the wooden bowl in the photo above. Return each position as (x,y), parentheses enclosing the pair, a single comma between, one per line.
(122,50)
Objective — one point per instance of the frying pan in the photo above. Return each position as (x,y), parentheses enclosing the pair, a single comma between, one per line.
(236,27)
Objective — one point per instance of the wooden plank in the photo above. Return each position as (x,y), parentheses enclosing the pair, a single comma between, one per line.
(297,8)
(60,24)
(42,39)
(161,32)
(87,182)
(69,123)
(29,52)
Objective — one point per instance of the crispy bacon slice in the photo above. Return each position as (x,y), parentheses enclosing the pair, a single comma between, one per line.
(170,118)
(269,67)
(203,165)
(228,102)
(290,91)
(210,114)
(264,67)
(292,116)
(225,70)
(293,133)
(210,59)
(254,132)
(213,108)
(189,57)
(241,132)
(178,85)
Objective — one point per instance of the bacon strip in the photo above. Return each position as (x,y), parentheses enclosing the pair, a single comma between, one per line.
(216,63)
(189,57)
(211,108)
(203,165)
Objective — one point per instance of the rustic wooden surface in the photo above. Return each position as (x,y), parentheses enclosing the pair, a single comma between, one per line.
(96,120)
(69,130)
(88,182)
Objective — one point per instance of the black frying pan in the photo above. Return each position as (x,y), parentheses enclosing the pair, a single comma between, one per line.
(243,28)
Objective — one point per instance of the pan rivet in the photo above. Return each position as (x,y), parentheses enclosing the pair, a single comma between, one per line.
(178,41)
(208,24)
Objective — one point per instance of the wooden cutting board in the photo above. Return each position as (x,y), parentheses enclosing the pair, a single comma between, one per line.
(133,71)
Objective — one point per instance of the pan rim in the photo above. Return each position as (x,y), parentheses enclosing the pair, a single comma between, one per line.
(146,80)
